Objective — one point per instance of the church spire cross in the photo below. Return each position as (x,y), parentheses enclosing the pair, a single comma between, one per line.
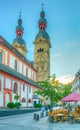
(42,23)
(19,28)
(20,14)
(42,6)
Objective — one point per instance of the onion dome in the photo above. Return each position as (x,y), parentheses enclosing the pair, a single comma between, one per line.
(19,32)
(42,33)
(42,24)
(19,27)
(19,40)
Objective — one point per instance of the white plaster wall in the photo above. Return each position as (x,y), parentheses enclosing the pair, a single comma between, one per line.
(8,83)
(30,104)
(24,70)
(1,92)
(7,98)
(24,95)
(29,73)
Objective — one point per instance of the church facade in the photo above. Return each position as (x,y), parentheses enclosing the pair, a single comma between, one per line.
(17,74)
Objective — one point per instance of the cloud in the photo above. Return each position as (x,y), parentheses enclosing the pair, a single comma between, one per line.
(56,55)
(66,78)
(70,44)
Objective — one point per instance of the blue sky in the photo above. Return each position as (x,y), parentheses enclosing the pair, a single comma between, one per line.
(63,17)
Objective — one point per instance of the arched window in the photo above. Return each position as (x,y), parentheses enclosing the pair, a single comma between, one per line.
(15,65)
(23,100)
(29,100)
(15,88)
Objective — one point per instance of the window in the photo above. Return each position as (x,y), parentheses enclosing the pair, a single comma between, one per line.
(29,100)
(29,89)
(15,88)
(15,65)
(33,76)
(40,40)
(40,50)
(1,57)
(23,100)
(27,72)
(23,87)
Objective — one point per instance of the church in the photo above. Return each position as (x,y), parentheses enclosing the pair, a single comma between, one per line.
(17,73)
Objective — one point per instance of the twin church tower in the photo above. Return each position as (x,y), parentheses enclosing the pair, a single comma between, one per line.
(42,47)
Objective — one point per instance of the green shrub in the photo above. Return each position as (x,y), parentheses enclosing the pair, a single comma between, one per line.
(37,105)
(10,105)
(17,104)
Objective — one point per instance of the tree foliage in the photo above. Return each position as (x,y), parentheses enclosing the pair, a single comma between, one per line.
(67,89)
(53,90)
(16,97)
(50,89)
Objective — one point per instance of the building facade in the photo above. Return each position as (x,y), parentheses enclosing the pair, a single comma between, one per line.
(17,75)
(42,47)
(76,82)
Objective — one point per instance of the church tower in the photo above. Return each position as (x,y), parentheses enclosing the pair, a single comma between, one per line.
(19,42)
(42,47)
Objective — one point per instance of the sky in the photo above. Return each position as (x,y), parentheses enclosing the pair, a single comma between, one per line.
(63,18)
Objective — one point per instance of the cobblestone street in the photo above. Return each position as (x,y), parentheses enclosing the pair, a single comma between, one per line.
(26,122)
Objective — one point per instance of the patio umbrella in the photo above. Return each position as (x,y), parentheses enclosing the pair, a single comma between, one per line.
(73,97)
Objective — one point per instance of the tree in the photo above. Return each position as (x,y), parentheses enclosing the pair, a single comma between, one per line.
(50,89)
(16,97)
(67,89)
(17,104)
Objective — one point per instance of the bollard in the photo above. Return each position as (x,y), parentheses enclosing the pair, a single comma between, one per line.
(51,119)
(41,115)
(71,119)
(45,113)
(35,116)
